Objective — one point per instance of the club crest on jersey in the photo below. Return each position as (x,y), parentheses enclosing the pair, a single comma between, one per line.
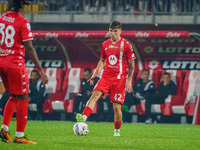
(111,46)
(112,59)
(28,26)
(30,34)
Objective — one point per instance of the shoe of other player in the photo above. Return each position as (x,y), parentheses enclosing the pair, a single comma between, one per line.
(5,136)
(23,140)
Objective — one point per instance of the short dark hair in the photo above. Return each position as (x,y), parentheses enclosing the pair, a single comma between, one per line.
(115,24)
(166,73)
(16,5)
(87,69)
(146,70)
(34,71)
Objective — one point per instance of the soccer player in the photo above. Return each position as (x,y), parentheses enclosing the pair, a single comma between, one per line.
(117,59)
(15,37)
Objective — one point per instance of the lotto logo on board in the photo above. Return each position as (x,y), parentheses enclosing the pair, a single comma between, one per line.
(112,59)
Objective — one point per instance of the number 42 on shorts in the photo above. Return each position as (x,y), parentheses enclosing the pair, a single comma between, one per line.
(117,97)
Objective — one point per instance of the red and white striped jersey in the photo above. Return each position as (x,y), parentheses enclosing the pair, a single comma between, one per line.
(117,56)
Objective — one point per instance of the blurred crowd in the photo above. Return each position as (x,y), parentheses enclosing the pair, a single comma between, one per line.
(137,6)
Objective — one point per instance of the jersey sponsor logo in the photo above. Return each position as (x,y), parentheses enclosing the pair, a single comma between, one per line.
(8,19)
(111,46)
(112,59)
(28,26)
(5,52)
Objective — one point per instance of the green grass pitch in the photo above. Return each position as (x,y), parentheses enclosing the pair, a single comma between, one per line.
(52,135)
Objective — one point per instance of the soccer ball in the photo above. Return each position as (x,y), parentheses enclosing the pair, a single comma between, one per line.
(80,128)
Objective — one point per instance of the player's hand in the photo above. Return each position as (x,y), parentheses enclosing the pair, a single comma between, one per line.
(44,77)
(89,93)
(129,88)
(91,79)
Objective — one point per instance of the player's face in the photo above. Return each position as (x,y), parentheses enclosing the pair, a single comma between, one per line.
(145,75)
(34,76)
(166,79)
(86,75)
(115,34)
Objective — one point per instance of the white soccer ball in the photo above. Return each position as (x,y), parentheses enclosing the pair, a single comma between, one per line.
(80,128)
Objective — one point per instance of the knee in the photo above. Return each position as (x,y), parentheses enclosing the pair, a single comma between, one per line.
(117,110)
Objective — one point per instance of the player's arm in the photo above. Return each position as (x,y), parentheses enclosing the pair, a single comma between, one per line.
(99,68)
(131,64)
(33,56)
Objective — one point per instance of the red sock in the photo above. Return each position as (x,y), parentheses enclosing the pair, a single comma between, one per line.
(117,124)
(9,110)
(87,111)
(22,114)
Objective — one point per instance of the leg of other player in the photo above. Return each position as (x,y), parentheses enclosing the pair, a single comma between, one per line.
(22,115)
(16,82)
(89,106)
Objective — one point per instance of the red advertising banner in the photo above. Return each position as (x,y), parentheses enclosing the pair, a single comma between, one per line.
(138,34)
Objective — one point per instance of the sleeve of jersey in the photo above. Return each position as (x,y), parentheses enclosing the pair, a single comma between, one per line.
(26,32)
(129,52)
(103,54)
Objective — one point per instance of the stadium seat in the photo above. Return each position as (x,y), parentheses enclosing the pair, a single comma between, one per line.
(47,107)
(190,87)
(32,107)
(154,76)
(176,77)
(58,105)
(197,113)
(72,81)
(71,84)
(140,108)
(55,76)
(69,105)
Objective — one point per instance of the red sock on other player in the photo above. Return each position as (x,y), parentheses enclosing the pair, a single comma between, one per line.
(87,111)
(117,124)
(22,114)
(9,110)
